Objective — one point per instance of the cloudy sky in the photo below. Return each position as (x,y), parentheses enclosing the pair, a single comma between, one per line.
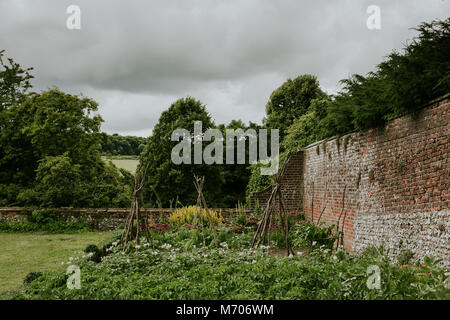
(137,57)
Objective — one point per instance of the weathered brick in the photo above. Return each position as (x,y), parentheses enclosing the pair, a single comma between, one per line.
(404,177)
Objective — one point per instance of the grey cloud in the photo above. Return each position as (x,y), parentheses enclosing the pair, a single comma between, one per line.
(136,57)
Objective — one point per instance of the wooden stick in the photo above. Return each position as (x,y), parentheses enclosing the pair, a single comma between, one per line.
(199,185)
(312,203)
(325,203)
(342,210)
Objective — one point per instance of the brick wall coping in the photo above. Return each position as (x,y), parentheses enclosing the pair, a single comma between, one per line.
(428,104)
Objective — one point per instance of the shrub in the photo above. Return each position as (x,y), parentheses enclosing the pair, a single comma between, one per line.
(44,216)
(405,257)
(95,253)
(400,85)
(307,234)
(49,220)
(31,277)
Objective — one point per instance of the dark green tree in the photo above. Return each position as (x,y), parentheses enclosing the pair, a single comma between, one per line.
(300,102)
(166,181)
(308,128)
(58,182)
(236,176)
(50,124)
(121,145)
(403,83)
(290,101)
(14,82)
(39,131)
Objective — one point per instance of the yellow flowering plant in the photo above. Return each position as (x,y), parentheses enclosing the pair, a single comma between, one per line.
(194,215)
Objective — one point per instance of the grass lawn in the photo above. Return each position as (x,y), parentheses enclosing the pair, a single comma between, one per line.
(21,253)
(127,164)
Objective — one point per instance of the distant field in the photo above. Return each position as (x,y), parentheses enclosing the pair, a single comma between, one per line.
(22,253)
(128,163)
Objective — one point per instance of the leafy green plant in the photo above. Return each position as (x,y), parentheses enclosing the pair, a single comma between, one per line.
(44,216)
(58,226)
(307,234)
(257,181)
(30,277)
(405,257)
(94,252)
(241,214)
(171,270)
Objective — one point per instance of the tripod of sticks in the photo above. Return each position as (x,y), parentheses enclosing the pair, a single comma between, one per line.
(198,183)
(266,221)
(132,224)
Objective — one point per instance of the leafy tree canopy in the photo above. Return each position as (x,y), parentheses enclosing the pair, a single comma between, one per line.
(14,81)
(121,145)
(49,147)
(166,181)
(235,177)
(403,83)
(49,124)
(400,85)
(291,101)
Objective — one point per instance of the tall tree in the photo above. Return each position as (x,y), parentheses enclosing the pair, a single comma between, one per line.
(236,176)
(167,181)
(44,134)
(122,145)
(290,101)
(403,83)
(14,82)
(49,124)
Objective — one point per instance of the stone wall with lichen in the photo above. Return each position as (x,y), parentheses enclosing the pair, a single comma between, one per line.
(422,233)
(102,219)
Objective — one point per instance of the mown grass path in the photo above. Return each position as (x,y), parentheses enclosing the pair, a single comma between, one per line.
(21,253)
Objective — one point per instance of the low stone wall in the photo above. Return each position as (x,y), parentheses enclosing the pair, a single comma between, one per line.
(103,219)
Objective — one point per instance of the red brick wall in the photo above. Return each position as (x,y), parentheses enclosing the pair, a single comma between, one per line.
(291,186)
(403,168)
(396,181)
